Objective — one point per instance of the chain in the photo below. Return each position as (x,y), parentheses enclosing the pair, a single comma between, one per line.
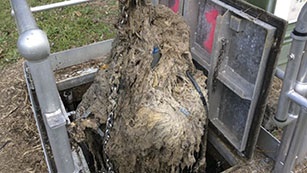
(106,138)
(219,62)
(109,125)
(123,19)
(113,98)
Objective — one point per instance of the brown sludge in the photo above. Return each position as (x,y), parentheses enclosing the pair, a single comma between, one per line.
(160,120)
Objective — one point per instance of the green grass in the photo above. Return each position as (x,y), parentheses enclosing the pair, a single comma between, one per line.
(8,35)
(66,27)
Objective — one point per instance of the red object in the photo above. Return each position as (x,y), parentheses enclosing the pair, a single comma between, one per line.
(211,19)
(175,7)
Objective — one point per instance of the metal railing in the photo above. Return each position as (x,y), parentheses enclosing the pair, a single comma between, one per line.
(34,46)
(57,5)
(292,106)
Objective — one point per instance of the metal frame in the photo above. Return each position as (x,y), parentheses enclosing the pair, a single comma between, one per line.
(228,77)
(190,13)
(166,3)
(292,106)
(65,59)
(35,108)
(82,54)
(33,45)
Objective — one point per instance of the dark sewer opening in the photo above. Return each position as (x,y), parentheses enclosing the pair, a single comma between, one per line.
(215,161)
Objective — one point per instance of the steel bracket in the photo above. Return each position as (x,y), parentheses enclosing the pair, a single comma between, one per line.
(55,119)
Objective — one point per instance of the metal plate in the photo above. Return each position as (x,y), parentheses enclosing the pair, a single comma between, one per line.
(237,86)
(60,60)
(234,89)
(268,143)
(175,5)
(201,17)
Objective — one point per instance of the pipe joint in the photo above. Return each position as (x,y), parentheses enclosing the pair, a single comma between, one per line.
(301,88)
(34,45)
(55,119)
(282,123)
(301,25)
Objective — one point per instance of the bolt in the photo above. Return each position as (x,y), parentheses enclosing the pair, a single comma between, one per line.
(292,56)
(282,163)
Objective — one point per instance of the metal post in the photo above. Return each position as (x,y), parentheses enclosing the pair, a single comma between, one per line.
(293,96)
(289,81)
(302,88)
(280,73)
(287,165)
(284,147)
(34,46)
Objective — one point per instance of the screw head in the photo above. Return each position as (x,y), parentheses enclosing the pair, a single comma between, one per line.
(291,56)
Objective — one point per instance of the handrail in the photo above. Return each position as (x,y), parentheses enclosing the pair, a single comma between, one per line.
(23,16)
(292,105)
(294,74)
(57,5)
(34,46)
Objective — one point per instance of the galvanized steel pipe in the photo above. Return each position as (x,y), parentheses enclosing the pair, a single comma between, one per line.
(291,157)
(279,73)
(298,99)
(294,92)
(58,5)
(33,45)
(23,16)
(296,68)
(292,69)
(289,81)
